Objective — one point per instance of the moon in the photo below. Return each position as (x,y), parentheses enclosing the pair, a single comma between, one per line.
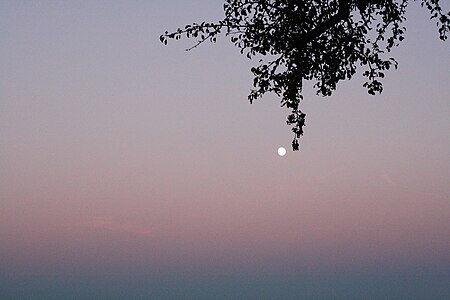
(281,151)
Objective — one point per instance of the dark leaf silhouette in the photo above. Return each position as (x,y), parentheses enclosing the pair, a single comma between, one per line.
(324,41)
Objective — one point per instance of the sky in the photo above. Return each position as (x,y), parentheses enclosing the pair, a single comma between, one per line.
(134,170)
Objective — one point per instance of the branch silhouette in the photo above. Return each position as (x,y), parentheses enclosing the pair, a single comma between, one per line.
(324,41)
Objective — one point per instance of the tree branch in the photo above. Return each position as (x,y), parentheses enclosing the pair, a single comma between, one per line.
(342,14)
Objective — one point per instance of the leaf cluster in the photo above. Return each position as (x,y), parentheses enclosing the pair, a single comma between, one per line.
(323,41)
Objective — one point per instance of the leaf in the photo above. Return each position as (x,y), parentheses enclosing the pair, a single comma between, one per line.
(324,42)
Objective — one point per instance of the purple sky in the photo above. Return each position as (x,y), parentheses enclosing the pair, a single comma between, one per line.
(129,169)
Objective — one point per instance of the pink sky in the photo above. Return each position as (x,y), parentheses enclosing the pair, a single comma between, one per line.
(121,155)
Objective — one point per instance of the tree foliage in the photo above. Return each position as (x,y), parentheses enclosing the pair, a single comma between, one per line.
(323,41)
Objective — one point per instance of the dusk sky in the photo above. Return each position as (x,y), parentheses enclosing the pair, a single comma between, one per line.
(134,170)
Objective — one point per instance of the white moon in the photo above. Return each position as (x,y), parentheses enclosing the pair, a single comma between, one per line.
(281,151)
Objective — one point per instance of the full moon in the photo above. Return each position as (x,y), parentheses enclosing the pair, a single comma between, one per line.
(281,151)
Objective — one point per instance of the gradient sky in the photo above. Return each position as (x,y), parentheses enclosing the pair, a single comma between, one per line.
(129,169)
